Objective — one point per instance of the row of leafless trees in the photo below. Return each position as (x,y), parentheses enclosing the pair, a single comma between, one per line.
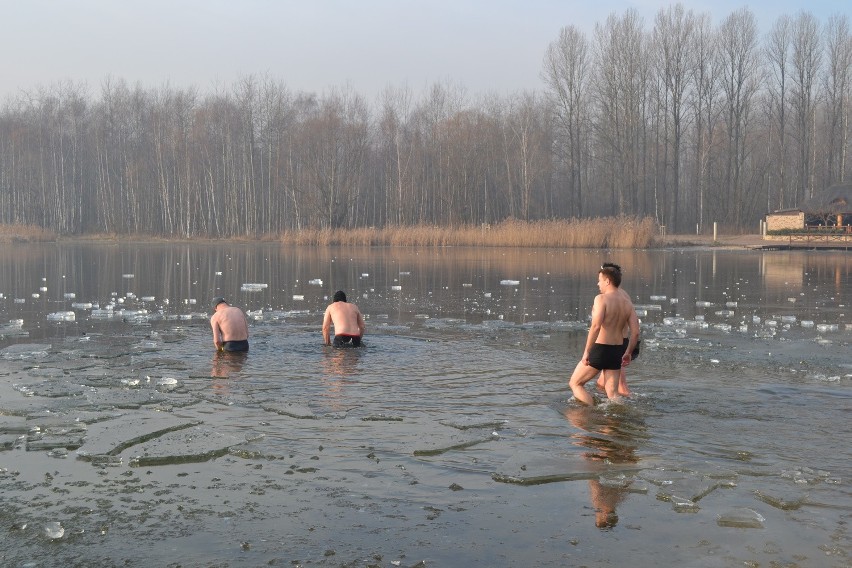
(678,119)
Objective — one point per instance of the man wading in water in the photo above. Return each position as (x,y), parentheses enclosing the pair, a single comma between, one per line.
(612,312)
(230,328)
(348,322)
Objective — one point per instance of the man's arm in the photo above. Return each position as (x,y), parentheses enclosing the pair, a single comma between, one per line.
(326,326)
(633,323)
(217,332)
(595,327)
(361,327)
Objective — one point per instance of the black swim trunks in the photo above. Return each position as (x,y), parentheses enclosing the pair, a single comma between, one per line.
(635,349)
(606,357)
(236,345)
(343,340)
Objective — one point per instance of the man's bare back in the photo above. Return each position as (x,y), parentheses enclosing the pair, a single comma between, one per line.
(346,318)
(229,325)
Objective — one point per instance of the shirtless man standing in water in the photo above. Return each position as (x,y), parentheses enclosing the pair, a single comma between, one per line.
(230,327)
(348,322)
(612,312)
(622,376)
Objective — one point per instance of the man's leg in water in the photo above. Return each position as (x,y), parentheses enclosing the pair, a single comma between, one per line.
(622,383)
(582,374)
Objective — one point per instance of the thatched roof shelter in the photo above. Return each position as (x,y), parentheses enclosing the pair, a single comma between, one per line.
(835,200)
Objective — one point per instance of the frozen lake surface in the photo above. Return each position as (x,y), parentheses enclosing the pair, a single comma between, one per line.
(450,439)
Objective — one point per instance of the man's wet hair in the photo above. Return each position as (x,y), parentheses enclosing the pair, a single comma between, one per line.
(339,296)
(612,272)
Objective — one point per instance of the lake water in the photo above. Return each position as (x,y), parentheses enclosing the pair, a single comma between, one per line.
(450,439)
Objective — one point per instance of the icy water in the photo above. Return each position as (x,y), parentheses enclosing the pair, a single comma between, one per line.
(450,439)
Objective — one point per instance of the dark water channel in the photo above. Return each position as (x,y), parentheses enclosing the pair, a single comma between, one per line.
(450,439)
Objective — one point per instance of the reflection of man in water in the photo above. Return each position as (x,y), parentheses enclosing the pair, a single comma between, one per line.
(348,322)
(622,376)
(230,327)
(612,312)
(227,362)
(608,441)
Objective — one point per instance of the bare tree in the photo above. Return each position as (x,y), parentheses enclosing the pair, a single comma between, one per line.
(740,77)
(778,53)
(566,73)
(673,33)
(837,84)
(806,61)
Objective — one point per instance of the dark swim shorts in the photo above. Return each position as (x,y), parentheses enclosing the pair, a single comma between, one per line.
(635,349)
(343,340)
(235,345)
(606,357)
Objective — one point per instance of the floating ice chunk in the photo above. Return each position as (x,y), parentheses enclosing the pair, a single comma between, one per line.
(741,517)
(102,313)
(673,300)
(19,300)
(715,361)
(128,276)
(315,282)
(743,328)
(397,288)
(722,327)
(674,321)
(53,530)
(148,298)
(82,305)
(788,319)
(683,505)
(755,319)
(702,304)
(36,296)
(218,273)
(658,298)
(806,323)
(43,289)
(510,282)
(298,297)
(699,318)
(792,300)
(365,275)
(487,294)
(824,327)
(466,285)
(70,295)
(771,323)
(731,304)
(641,313)
(253,287)
(725,313)
(61,316)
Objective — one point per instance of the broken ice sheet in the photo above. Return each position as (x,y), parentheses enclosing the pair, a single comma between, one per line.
(740,517)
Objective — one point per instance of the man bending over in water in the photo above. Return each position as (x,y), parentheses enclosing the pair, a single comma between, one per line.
(612,312)
(347,319)
(230,328)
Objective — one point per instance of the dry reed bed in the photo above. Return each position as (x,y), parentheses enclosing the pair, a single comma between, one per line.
(607,232)
(17,233)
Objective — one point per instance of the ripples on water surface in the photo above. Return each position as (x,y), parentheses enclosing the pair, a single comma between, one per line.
(449,439)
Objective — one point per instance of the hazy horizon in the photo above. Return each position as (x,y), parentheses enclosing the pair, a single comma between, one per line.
(484,47)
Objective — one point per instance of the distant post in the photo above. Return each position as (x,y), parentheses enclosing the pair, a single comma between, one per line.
(715,231)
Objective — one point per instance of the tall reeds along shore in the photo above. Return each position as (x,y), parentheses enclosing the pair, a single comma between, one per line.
(603,232)
(17,233)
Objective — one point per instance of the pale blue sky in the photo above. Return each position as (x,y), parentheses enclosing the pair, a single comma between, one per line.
(313,45)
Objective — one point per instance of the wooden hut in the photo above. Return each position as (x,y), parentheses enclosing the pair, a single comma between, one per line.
(831,207)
